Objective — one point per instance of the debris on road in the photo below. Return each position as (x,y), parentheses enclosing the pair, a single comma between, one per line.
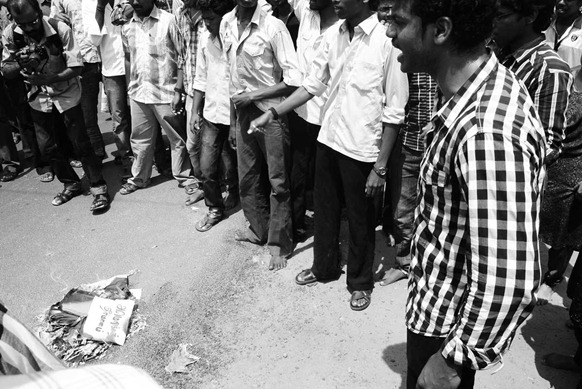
(180,359)
(90,318)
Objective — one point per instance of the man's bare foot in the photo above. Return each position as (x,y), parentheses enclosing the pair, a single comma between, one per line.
(277,262)
(560,361)
(544,294)
(393,275)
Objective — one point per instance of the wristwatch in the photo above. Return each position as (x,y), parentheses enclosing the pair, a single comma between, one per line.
(380,171)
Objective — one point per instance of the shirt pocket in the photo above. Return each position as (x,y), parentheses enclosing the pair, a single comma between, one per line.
(434,176)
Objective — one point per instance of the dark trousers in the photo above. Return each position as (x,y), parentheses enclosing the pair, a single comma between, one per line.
(90,79)
(50,136)
(418,350)
(303,146)
(558,260)
(337,175)
(214,154)
(263,163)
(8,152)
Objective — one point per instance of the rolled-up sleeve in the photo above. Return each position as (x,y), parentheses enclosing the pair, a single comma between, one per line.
(201,66)
(318,76)
(71,50)
(286,56)
(395,89)
(178,42)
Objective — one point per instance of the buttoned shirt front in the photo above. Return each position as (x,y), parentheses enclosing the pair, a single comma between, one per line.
(475,248)
(154,44)
(262,56)
(213,78)
(63,95)
(366,88)
(81,17)
(548,80)
(569,45)
(191,26)
(308,40)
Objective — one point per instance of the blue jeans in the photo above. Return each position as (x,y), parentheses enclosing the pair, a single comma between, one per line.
(403,180)
(216,155)
(90,79)
(116,91)
(263,171)
(50,137)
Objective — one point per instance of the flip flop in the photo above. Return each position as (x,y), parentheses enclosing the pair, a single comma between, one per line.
(365,295)
(47,177)
(208,221)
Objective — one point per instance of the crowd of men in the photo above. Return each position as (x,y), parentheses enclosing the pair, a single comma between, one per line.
(330,104)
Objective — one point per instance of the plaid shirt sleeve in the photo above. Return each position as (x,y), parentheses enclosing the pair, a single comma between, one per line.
(551,99)
(502,272)
(177,40)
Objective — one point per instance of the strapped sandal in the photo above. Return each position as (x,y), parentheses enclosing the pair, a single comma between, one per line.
(305,277)
(8,175)
(47,177)
(210,220)
(128,188)
(100,202)
(65,196)
(365,295)
(191,189)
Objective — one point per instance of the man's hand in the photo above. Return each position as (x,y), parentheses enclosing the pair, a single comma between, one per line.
(437,374)
(374,184)
(243,99)
(62,18)
(258,125)
(177,105)
(578,195)
(38,79)
(232,136)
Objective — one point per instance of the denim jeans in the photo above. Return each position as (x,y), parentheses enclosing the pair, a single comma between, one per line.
(402,187)
(340,177)
(146,120)
(50,137)
(215,154)
(116,91)
(90,79)
(194,142)
(303,146)
(263,171)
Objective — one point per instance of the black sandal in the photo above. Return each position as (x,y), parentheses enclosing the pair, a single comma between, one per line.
(365,295)
(100,202)
(65,196)
(306,277)
(210,220)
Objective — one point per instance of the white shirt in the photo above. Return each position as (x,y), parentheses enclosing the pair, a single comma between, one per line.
(262,56)
(308,40)
(213,78)
(111,46)
(366,88)
(569,44)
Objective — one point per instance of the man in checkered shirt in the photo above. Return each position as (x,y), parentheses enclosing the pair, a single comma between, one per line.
(475,250)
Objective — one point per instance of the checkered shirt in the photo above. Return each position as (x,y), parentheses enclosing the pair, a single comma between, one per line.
(548,79)
(191,27)
(419,109)
(475,248)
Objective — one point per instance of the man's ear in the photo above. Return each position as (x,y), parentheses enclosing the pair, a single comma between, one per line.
(531,18)
(443,28)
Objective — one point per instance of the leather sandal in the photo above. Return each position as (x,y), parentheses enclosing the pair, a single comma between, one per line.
(365,295)
(100,202)
(65,196)
(306,277)
(9,175)
(47,177)
(210,220)
(128,188)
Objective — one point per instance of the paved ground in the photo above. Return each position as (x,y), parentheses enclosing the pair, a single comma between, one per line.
(251,327)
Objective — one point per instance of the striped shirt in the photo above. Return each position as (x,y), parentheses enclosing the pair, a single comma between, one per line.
(419,109)
(153,44)
(475,249)
(191,27)
(548,80)
(81,19)
(262,56)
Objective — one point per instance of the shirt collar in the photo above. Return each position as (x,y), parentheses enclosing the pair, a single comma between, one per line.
(48,30)
(256,19)
(525,49)
(366,25)
(154,14)
(193,18)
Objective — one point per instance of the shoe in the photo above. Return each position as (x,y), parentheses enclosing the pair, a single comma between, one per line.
(66,195)
(100,202)
(306,277)
(76,164)
(365,295)
(212,218)
(195,197)
(128,188)
(47,177)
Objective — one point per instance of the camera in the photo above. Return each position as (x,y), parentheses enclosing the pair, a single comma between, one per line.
(31,57)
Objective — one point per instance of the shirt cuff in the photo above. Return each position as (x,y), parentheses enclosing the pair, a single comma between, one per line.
(292,77)
(314,86)
(201,86)
(392,115)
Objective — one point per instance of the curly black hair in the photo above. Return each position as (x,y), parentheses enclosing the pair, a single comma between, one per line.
(545,10)
(472,19)
(219,7)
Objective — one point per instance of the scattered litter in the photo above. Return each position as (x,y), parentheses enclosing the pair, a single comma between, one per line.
(180,359)
(90,318)
(154,246)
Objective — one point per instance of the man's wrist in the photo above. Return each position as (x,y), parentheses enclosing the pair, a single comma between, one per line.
(380,171)
(274,113)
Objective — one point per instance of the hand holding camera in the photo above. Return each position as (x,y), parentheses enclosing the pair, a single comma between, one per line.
(31,58)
